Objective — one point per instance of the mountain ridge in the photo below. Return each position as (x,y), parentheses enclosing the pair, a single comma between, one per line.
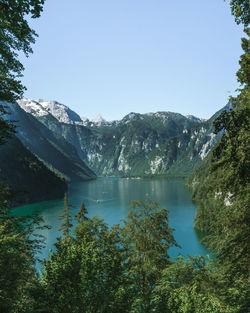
(160,143)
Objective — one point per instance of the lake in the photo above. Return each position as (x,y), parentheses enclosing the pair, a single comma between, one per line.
(109,198)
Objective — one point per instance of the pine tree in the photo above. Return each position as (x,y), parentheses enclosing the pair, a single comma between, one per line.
(81,215)
(66,217)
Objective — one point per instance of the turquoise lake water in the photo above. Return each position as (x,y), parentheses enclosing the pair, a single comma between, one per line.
(109,198)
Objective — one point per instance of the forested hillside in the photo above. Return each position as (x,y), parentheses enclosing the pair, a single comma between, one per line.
(27,176)
(221,184)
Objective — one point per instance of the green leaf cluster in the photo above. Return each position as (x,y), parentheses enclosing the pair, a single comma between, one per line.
(15,36)
(241,11)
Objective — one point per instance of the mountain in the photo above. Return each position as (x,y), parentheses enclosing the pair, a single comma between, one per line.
(51,148)
(27,175)
(139,144)
(193,145)
(42,108)
(161,143)
(98,120)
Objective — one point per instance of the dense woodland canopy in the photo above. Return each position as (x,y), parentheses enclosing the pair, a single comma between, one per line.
(127,269)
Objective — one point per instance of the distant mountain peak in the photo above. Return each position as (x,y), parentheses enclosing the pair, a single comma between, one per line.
(192,117)
(98,120)
(85,121)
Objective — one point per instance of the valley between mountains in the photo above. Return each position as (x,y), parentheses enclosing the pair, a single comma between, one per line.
(51,138)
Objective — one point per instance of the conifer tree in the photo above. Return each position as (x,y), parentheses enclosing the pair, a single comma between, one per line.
(81,215)
(66,217)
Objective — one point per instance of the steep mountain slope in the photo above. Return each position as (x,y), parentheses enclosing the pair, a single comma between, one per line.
(50,147)
(193,145)
(28,176)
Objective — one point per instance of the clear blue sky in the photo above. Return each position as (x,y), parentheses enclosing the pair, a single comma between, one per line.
(118,56)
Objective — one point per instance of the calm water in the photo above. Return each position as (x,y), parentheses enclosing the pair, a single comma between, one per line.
(109,198)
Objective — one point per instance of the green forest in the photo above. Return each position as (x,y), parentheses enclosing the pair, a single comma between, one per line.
(127,268)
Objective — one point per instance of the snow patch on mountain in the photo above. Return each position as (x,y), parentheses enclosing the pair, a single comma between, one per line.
(41,107)
(33,107)
(61,112)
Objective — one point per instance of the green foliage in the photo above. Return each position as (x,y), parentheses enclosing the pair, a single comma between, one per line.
(82,214)
(105,269)
(146,237)
(18,280)
(18,245)
(15,36)
(127,269)
(241,11)
(244,71)
(196,285)
(86,271)
(222,192)
(66,217)
(221,187)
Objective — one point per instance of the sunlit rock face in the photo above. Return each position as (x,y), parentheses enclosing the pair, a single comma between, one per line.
(42,108)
